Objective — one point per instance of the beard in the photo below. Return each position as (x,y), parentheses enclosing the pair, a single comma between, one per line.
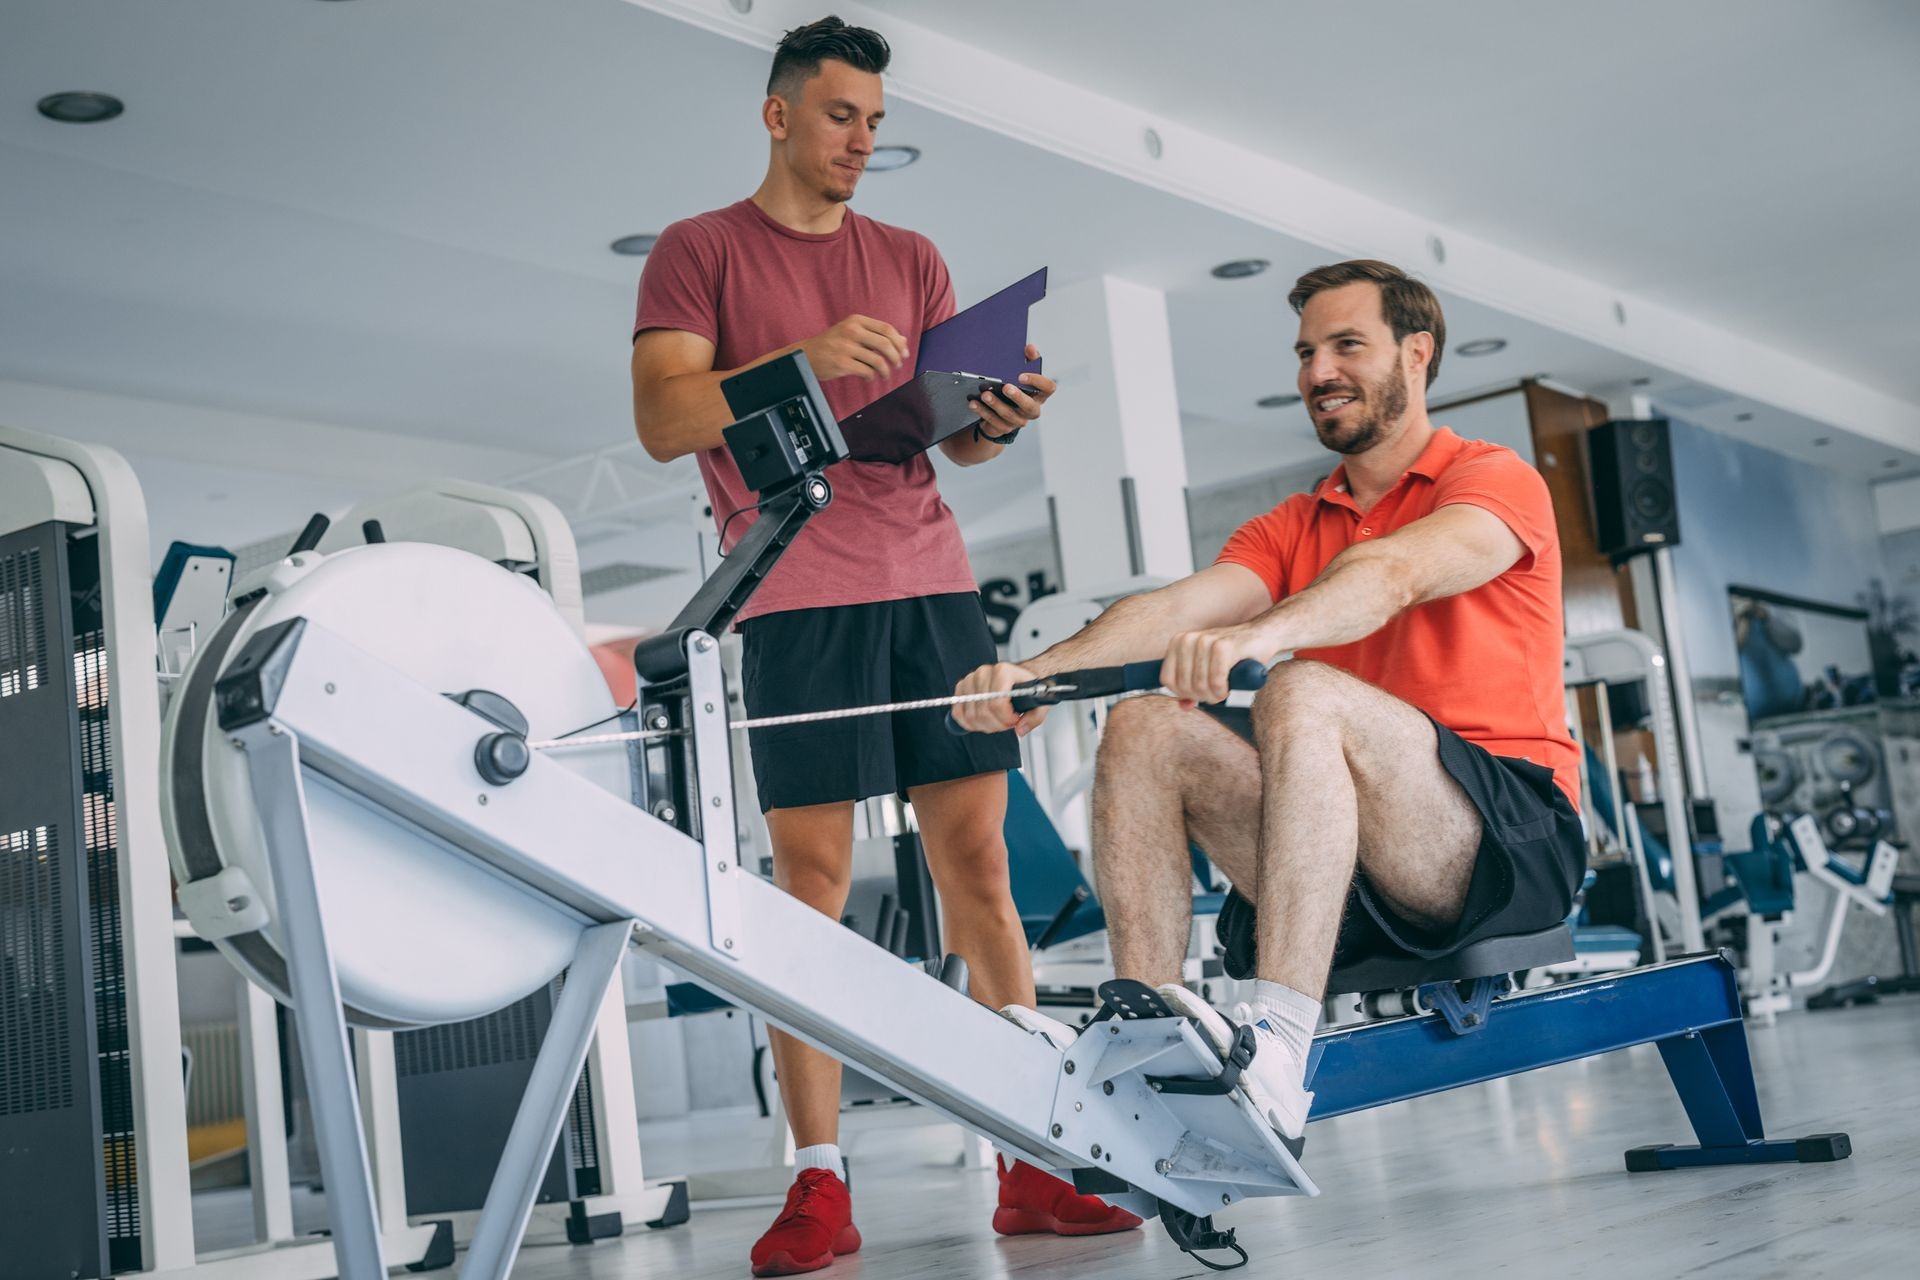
(1383,403)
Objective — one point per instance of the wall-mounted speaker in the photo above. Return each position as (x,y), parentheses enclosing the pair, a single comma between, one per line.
(1634,505)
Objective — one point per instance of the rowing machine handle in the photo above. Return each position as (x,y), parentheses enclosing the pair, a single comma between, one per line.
(1134,677)
(1138,677)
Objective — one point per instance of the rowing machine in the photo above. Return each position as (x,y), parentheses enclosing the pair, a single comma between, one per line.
(334,833)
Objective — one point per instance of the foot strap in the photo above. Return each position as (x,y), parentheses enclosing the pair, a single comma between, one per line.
(1126,999)
(1236,1061)
(1193,1233)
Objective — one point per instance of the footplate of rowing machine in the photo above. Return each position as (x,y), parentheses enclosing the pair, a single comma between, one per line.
(1123,1103)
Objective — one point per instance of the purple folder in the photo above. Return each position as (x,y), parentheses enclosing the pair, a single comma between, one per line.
(974,351)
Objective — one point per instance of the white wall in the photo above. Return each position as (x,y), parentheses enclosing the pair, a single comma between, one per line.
(1500,419)
(213,476)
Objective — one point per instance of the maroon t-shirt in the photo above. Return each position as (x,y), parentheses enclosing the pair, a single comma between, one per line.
(750,285)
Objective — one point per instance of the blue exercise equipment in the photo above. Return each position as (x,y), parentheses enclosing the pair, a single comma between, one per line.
(181,562)
(1689,1007)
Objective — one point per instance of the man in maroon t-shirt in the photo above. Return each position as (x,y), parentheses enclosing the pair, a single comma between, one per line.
(875,602)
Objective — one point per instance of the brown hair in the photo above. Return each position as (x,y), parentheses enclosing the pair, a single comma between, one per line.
(1408,305)
(803,49)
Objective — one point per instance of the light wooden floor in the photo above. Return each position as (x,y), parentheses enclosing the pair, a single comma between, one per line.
(1519,1177)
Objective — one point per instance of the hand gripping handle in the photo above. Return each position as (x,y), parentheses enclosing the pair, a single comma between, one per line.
(1105,682)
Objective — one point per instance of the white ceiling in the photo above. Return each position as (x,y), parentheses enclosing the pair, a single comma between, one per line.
(1741,160)
(395,216)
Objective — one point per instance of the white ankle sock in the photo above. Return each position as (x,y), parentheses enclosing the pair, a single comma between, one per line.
(1292,1014)
(826,1156)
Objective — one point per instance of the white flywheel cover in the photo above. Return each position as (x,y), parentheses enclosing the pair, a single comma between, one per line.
(420,934)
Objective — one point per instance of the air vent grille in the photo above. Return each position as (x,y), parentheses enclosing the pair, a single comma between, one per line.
(510,1035)
(23,637)
(36,1071)
(621,574)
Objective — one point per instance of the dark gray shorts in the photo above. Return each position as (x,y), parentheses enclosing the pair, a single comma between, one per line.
(1530,865)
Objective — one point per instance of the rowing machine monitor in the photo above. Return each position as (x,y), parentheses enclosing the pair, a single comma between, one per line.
(782,429)
(785,435)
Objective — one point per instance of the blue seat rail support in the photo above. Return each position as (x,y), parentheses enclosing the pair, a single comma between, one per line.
(1688,1007)
(1464,1015)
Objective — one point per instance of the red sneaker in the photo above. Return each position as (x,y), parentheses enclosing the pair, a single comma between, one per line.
(815,1227)
(1033,1201)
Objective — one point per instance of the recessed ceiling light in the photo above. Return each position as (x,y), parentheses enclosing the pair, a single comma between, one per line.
(1481,347)
(1240,268)
(1821,442)
(887,159)
(80,108)
(1643,382)
(634,246)
(1743,417)
(1277,401)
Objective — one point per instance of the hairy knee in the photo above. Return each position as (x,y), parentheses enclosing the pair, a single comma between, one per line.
(1132,718)
(1300,696)
(1139,732)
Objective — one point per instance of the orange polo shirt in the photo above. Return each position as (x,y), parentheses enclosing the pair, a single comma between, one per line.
(1486,662)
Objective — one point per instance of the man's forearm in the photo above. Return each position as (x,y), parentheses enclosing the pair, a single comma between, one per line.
(1131,630)
(682,415)
(1354,596)
(686,413)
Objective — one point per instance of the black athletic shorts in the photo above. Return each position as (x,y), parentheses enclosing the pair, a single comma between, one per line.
(1531,862)
(859,655)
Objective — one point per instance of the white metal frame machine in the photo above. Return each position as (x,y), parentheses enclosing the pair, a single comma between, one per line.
(368,783)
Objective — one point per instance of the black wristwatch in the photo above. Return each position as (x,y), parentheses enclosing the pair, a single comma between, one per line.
(1008,438)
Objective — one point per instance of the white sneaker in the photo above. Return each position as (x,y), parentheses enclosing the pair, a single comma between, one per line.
(1274,1081)
(1052,1030)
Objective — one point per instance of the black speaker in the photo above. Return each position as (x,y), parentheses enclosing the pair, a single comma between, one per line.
(1634,506)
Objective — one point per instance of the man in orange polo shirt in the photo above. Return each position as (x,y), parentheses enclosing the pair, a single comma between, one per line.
(1405,784)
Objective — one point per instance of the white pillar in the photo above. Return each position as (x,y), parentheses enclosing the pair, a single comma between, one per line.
(266,1132)
(1117,419)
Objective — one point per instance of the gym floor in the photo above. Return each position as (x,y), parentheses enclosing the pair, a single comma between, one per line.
(1522,1176)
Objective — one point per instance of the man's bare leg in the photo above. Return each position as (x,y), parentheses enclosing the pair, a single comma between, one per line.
(1165,776)
(962,826)
(1344,775)
(1350,776)
(813,861)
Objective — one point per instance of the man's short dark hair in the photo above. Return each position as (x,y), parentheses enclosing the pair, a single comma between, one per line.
(1408,306)
(803,49)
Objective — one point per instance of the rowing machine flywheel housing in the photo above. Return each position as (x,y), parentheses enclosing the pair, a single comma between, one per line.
(419,935)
